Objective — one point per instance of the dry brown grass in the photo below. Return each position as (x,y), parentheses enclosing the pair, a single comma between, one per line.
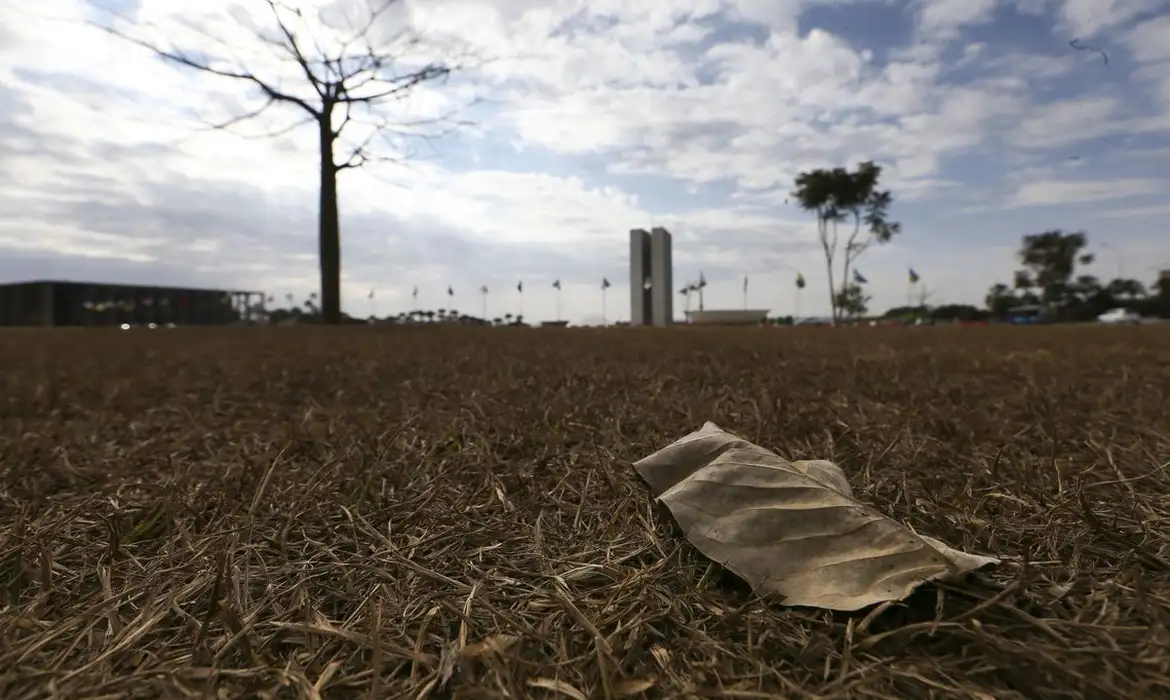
(417,513)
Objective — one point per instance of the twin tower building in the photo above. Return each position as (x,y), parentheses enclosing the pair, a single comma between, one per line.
(651,287)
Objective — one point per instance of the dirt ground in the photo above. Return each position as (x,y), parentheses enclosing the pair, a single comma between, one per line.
(452,513)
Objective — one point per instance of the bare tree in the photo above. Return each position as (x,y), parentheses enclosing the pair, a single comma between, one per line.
(343,74)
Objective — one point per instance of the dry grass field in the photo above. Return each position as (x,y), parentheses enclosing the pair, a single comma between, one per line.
(452,513)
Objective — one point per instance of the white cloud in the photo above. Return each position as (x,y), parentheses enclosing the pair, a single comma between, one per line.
(1085,19)
(943,18)
(1055,192)
(1155,211)
(1070,121)
(1149,41)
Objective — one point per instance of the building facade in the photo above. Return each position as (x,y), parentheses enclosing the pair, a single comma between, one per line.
(661,269)
(55,303)
(640,278)
(651,295)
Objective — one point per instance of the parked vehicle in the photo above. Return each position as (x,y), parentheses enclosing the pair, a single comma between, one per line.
(1120,316)
(1027,315)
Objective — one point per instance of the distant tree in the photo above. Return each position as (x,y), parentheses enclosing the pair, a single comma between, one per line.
(837,196)
(1050,262)
(999,299)
(852,301)
(346,66)
(958,312)
(1126,289)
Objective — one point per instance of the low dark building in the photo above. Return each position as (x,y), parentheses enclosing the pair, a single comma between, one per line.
(56,303)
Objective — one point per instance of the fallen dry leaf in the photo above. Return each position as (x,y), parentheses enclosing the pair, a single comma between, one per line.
(792,528)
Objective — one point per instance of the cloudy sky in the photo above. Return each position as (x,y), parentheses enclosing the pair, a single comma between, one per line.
(588,119)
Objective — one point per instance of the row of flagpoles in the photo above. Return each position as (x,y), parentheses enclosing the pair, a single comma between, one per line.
(686,291)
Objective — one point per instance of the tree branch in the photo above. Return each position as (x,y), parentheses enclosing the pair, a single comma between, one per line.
(294,49)
(339,73)
(182,59)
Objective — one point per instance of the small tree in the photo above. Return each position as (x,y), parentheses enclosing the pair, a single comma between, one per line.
(852,301)
(347,68)
(1050,262)
(1126,289)
(837,196)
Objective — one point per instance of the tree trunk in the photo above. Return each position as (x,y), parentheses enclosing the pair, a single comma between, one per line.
(845,281)
(824,226)
(329,225)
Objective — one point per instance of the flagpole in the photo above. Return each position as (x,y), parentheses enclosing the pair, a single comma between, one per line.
(485,318)
(604,315)
(558,303)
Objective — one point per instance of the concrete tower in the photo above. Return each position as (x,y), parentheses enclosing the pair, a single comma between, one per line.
(661,269)
(641,312)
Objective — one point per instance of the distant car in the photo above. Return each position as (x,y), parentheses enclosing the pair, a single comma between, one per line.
(1120,316)
(1026,315)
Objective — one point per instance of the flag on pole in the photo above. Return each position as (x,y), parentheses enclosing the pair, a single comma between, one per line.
(686,292)
(371,293)
(604,313)
(745,284)
(914,276)
(702,281)
(858,278)
(800,283)
(483,289)
(414,294)
(450,291)
(520,286)
(557,285)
